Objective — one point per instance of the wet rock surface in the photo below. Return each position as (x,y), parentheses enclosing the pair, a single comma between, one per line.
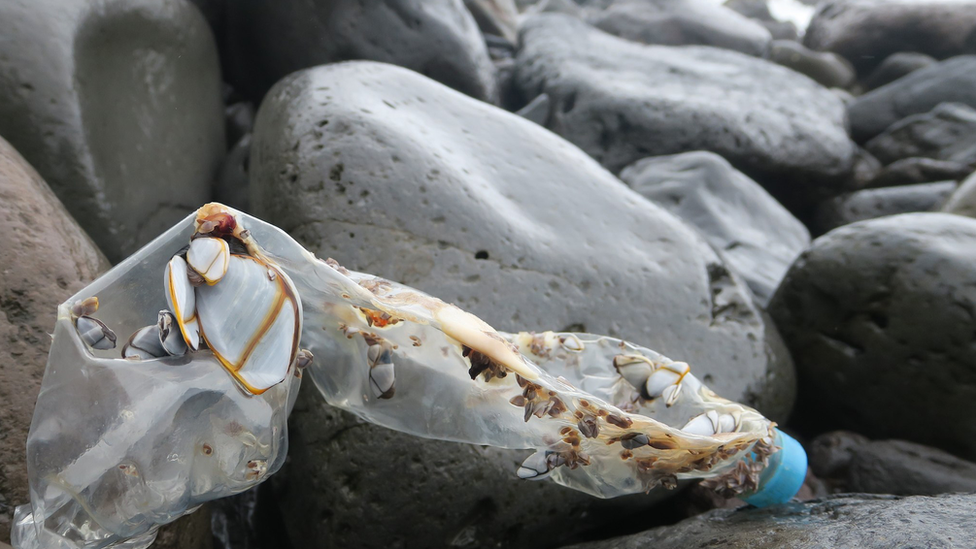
(474,212)
(896,66)
(947,132)
(872,203)
(757,235)
(678,23)
(621,101)
(438,38)
(853,520)
(886,304)
(951,81)
(868,31)
(118,107)
(963,200)
(918,170)
(827,69)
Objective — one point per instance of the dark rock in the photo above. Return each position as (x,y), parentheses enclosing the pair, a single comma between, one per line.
(781,30)
(678,23)
(947,132)
(437,38)
(399,176)
(963,201)
(871,203)
(918,170)
(188,532)
(896,66)
(850,520)
(868,31)
(497,17)
(951,81)
(883,343)
(621,102)
(866,169)
(853,463)
(231,187)
(756,234)
(828,69)
(537,110)
(117,104)
(239,120)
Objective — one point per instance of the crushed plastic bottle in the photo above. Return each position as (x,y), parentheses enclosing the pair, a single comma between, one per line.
(118,447)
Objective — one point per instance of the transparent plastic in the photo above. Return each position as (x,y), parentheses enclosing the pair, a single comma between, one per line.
(119,447)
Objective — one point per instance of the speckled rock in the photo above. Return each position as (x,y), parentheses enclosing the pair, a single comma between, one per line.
(850,520)
(947,132)
(679,23)
(117,104)
(394,174)
(896,66)
(856,464)
(757,235)
(620,102)
(437,38)
(963,200)
(868,31)
(827,69)
(953,80)
(872,203)
(497,17)
(879,316)
(46,257)
(918,170)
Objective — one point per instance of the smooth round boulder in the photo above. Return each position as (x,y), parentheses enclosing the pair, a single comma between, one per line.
(437,38)
(896,66)
(118,105)
(620,102)
(871,203)
(918,170)
(963,200)
(947,132)
(879,316)
(825,68)
(394,174)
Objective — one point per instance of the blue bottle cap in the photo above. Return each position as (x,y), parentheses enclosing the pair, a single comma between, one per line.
(784,475)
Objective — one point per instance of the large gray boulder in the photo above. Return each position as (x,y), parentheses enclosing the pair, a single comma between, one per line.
(868,31)
(910,171)
(117,104)
(850,520)
(963,200)
(880,316)
(947,132)
(871,203)
(394,174)
(620,102)
(953,80)
(757,235)
(826,68)
(896,66)
(437,38)
(679,23)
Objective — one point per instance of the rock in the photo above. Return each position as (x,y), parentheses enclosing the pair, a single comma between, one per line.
(896,66)
(882,346)
(568,7)
(963,200)
(117,104)
(758,10)
(781,30)
(953,80)
(868,31)
(398,176)
(621,102)
(239,120)
(827,69)
(918,170)
(849,520)
(498,17)
(46,257)
(947,132)
(189,532)
(757,235)
(679,23)
(231,187)
(871,203)
(437,38)
(853,463)
(537,110)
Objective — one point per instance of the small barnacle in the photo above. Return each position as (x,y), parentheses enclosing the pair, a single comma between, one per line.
(619,421)
(378,319)
(416,341)
(95,333)
(556,406)
(482,364)
(662,444)
(88,306)
(517,400)
(571,343)
(206,449)
(256,468)
(588,427)
(631,441)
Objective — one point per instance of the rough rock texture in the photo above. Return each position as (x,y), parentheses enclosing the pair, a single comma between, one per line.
(963,200)
(497,17)
(947,132)
(918,170)
(46,257)
(953,80)
(437,38)
(394,174)
(852,520)
(851,463)
(117,105)
(880,316)
(871,203)
(896,66)
(189,532)
(868,31)
(679,23)
(827,69)
(621,102)
(757,235)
